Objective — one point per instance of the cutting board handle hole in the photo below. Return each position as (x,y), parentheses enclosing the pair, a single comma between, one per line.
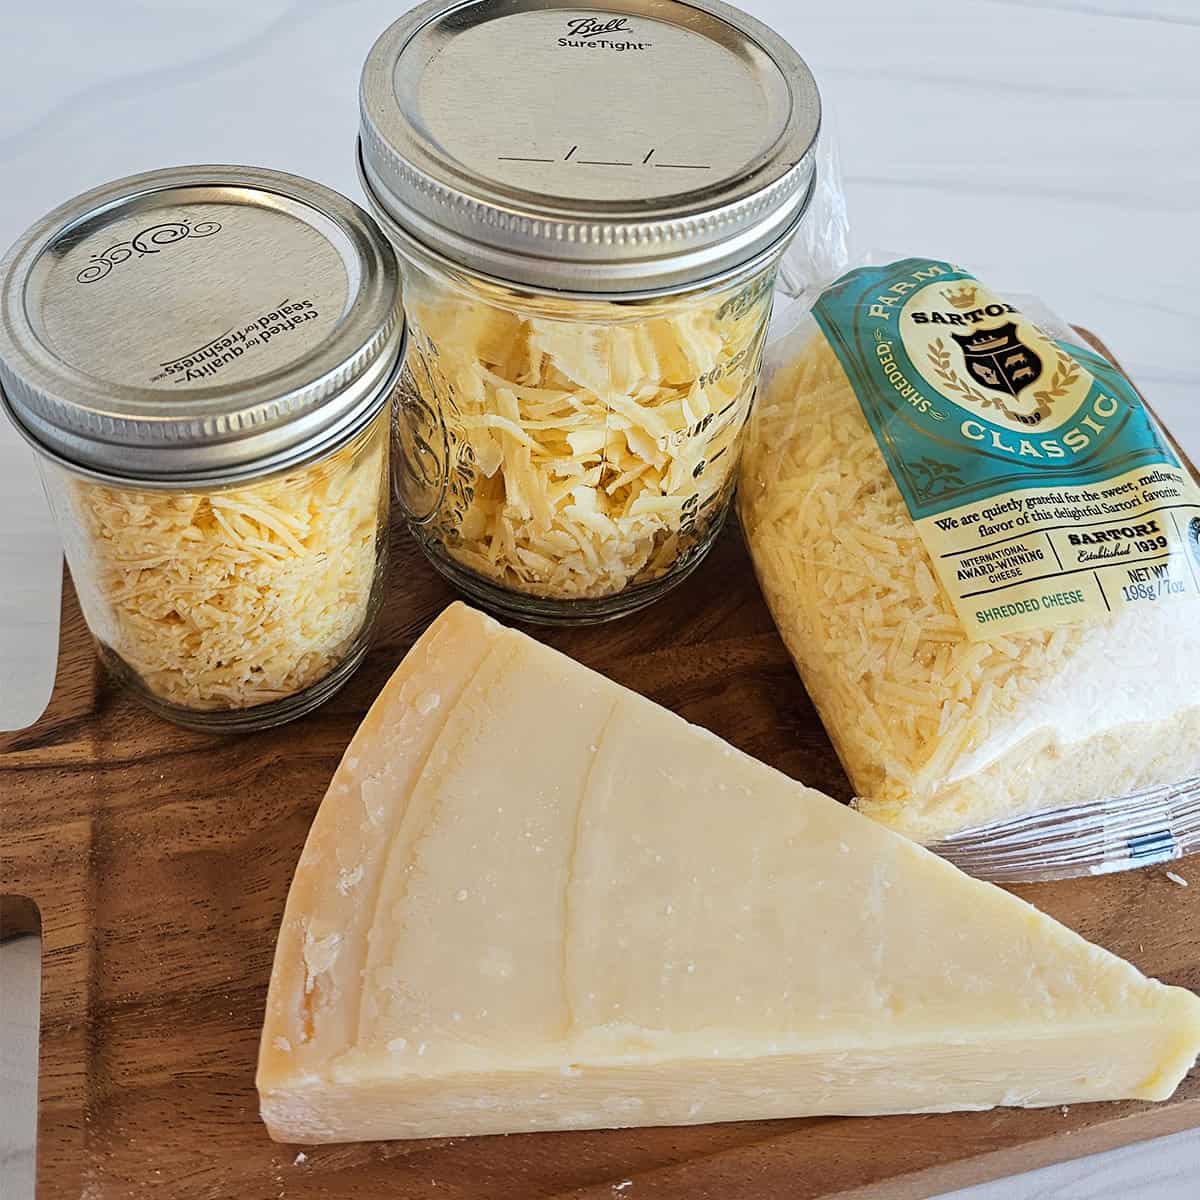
(20,1005)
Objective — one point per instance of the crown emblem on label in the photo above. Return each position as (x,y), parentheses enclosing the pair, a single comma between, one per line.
(964,297)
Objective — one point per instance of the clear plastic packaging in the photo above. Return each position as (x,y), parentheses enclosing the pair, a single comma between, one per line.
(821,249)
(1067,746)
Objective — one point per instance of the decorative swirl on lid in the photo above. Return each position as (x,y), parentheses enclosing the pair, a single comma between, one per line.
(150,240)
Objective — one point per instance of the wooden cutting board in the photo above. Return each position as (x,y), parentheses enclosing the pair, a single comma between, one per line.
(159,861)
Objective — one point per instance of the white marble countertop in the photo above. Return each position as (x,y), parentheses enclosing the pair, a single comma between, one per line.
(1050,146)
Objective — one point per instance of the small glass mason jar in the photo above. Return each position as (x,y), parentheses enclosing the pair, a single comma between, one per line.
(587,298)
(204,359)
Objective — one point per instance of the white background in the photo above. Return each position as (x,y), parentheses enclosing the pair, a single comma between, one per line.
(1052,147)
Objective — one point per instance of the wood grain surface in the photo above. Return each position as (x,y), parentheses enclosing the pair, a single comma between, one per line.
(159,861)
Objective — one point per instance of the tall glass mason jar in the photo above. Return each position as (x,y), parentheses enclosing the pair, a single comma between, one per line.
(203,359)
(590,203)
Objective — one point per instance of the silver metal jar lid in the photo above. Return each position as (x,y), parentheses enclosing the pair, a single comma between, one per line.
(198,324)
(588,145)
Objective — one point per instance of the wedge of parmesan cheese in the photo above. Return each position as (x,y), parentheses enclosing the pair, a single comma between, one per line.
(628,922)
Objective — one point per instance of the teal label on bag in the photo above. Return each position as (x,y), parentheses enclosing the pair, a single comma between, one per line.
(1042,488)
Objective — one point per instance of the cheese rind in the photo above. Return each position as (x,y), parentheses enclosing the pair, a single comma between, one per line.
(313,1002)
(573,909)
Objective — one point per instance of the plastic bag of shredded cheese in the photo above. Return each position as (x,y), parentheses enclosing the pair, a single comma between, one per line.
(983,555)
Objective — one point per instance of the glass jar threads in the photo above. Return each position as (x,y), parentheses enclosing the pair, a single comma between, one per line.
(589,207)
(203,359)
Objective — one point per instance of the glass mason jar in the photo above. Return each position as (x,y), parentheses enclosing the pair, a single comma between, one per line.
(204,359)
(575,452)
(586,313)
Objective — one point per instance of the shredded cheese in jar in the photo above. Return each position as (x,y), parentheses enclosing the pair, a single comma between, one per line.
(585,453)
(239,596)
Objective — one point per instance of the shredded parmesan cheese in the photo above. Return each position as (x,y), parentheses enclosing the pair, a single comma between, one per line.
(237,597)
(597,444)
(938,733)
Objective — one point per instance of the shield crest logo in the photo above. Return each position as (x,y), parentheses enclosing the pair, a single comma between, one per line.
(999,360)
